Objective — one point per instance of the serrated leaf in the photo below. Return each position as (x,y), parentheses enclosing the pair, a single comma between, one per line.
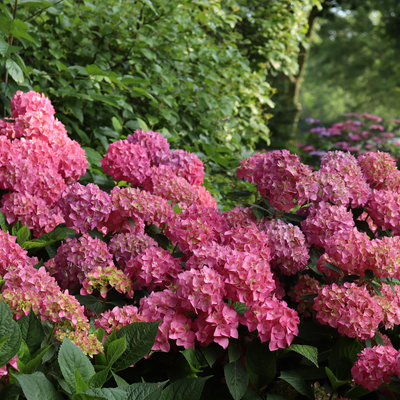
(100,394)
(34,363)
(237,379)
(298,383)
(48,238)
(140,338)
(115,350)
(10,329)
(184,389)
(70,357)
(144,391)
(310,352)
(36,387)
(31,331)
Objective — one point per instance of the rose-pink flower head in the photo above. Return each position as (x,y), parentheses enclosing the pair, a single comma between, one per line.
(76,258)
(165,183)
(125,161)
(282,177)
(204,197)
(341,180)
(374,366)
(84,207)
(155,144)
(23,103)
(305,286)
(196,226)
(11,255)
(7,129)
(350,309)
(186,165)
(239,217)
(390,304)
(31,211)
(324,221)
(117,318)
(288,246)
(380,170)
(384,257)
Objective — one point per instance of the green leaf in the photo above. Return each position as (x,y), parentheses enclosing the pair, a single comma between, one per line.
(184,389)
(14,70)
(309,352)
(140,338)
(144,391)
(211,353)
(23,354)
(93,69)
(336,383)
(20,61)
(234,350)
(70,357)
(251,395)
(36,387)
(93,157)
(312,262)
(33,364)
(16,228)
(23,235)
(240,308)
(356,392)
(8,328)
(48,238)
(91,302)
(118,380)
(80,383)
(115,350)
(143,125)
(3,222)
(237,379)
(150,4)
(260,364)
(333,267)
(99,379)
(105,99)
(293,379)
(3,47)
(21,34)
(100,394)
(378,339)
(192,360)
(31,330)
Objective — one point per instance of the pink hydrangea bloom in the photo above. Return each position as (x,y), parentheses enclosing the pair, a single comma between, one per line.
(155,267)
(384,208)
(384,257)
(350,309)
(127,162)
(390,304)
(165,183)
(125,246)
(154,143)
(100,277)
(73,163)
(274,321)
(282,177)
(12,363)
(379,169)
(324,221)
(341,180)
(84,207)
(288,245)
(239,216)
(196,226)
(31,211)
(76,258)
(204,197)
(23,103)
(186,165)
(7,129)
(374,366)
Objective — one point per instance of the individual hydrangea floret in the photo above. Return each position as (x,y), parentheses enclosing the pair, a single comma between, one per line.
(84,207)
(374,366)
(128,162)
(288,245)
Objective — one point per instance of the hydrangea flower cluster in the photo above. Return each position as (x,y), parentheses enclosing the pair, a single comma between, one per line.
(37,162)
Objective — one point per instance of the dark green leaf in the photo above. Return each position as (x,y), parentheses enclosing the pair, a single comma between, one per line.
(118,380)
(33,364)
(234,350)
(8,328)
(240,308)
(48,238)
(333,267)
(309,352)
(115,350)
(192,360)
(23,235)
(100,394)
(211,353)
(14,70)
(298,383)
(144,391)
(3,222)
(336,383)
(140,337)
(378,339)
(356,392)
(70,357)
(260,364)
(237,379)
(149,3)
(36,387)
(184,389)
(312,262)
(98,379)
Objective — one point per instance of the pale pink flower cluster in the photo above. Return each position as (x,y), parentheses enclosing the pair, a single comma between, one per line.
(390,304)
(375,365)
(289,252)
(281,177)
(37,160)
(350,309)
